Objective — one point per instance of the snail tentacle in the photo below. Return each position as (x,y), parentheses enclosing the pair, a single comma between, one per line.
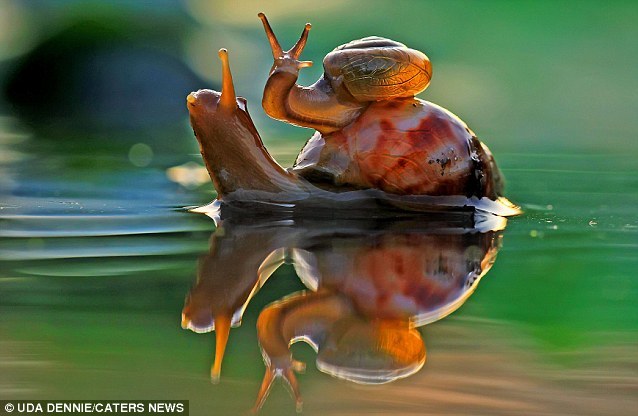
(296,50)
(272,39)
(318,106)
(228,100)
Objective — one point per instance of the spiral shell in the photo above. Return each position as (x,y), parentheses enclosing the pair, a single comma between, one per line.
(375,68)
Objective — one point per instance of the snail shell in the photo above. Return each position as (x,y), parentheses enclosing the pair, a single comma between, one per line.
(376,68)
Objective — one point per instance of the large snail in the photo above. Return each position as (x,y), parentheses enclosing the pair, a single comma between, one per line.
(370,282)
(373,137)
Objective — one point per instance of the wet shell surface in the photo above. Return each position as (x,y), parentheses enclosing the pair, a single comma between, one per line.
(403,147)
(376,68)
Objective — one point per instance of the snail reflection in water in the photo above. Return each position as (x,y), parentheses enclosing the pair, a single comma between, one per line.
(370,283)
(373,138)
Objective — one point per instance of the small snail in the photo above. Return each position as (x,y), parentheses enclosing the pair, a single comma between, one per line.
(349,346)
(373,137)
(356,74)
(370,291)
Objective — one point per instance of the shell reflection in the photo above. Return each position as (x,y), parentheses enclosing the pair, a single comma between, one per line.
(370,284)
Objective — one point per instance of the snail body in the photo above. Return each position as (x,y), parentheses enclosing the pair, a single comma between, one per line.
(372,135)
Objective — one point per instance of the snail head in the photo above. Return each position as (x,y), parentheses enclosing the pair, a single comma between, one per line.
(207,103)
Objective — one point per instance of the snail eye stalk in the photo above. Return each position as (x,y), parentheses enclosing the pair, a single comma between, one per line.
(222,330)
(277,51)
(228,99)
(296,50)
(272,39)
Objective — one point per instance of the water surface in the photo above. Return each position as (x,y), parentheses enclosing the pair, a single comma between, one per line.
(98,254)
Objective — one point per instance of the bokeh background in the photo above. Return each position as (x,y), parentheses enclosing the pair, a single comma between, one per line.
(527,75)
(97,159)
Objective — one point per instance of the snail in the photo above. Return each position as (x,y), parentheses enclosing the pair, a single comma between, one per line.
(228,276)
(370,292)
(348,346)
(355,75)
(373,138)
(370,280)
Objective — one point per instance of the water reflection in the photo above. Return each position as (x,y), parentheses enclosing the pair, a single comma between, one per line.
(370,283)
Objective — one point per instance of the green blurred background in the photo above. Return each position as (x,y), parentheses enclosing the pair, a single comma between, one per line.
(529,76)
(97,159)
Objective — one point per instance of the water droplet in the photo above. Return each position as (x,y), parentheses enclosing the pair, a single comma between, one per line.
(190,175)
(140,155)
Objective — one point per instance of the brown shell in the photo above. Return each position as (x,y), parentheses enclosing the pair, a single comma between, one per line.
(411,275)
(375,68)
(403,147)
